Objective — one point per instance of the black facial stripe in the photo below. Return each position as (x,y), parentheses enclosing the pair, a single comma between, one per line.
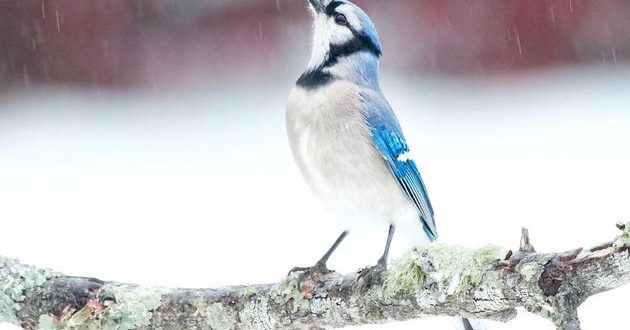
(360,42)
(357,44)
(330,9)
(315,78)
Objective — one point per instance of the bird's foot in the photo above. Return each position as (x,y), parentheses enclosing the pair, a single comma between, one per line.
(371,276)
(314,271)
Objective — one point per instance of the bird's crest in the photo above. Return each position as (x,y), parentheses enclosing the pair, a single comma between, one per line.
(340,29)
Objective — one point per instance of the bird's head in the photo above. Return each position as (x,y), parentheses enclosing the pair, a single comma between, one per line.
(341,30)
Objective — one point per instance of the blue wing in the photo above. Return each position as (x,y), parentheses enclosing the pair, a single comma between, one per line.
(390,142)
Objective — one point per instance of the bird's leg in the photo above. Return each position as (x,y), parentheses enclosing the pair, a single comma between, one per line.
(320,266)
(373,275)
(390,235)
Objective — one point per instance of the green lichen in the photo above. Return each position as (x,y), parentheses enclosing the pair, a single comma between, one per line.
(531,271)
(249,291)
(453,269)
(288,293)
(15,278)
(46,322)
(220,318)
(134,306)
(623,241)
(404,275)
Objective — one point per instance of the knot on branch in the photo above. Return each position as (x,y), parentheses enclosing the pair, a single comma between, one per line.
(556,272)
(526,246)
(623,241)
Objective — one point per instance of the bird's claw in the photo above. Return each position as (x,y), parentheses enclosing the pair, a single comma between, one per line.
(318,269)
(371,276)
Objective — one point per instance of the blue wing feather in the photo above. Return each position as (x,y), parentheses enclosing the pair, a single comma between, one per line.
(390,142)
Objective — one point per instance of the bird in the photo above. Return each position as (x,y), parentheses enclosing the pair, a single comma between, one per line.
(347,140)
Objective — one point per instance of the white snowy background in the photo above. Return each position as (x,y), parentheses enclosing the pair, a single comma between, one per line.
(196,187)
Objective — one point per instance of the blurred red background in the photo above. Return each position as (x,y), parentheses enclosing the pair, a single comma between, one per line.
(120,43)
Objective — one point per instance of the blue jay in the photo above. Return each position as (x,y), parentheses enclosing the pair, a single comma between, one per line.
(345,137)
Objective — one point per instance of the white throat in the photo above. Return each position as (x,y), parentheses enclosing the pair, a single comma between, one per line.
(321,43)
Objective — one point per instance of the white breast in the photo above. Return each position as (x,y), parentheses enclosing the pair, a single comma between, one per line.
(332,145)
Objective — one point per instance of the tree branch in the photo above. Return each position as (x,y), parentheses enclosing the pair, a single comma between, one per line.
(430,280)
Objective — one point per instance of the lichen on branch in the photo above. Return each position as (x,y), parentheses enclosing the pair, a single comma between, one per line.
(437,279)
(453,269)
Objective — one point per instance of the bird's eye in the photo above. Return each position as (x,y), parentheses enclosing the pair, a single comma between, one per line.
(341,19)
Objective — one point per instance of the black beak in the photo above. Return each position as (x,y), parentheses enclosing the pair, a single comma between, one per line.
(318,5)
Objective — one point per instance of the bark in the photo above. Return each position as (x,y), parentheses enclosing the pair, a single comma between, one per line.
(486,283)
